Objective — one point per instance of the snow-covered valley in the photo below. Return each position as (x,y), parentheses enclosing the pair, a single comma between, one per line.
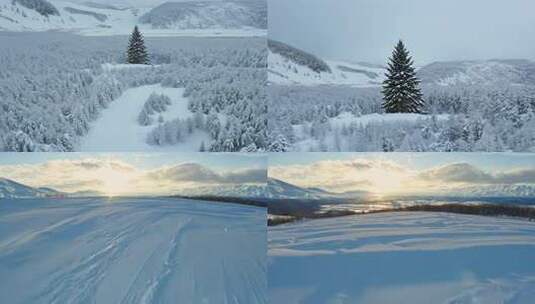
(63,92)
(155,18)
(419,257)
(131,250)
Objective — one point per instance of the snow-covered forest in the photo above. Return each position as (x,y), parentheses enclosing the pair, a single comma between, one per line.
(458,118)
(53,85)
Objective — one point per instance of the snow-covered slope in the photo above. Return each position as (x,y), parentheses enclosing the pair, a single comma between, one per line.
(241,191)
(131,251)
(231,14)
(278,189)
(12,189)
(289,65)
(418,257)
(517,190)
(203,18)
(489,72)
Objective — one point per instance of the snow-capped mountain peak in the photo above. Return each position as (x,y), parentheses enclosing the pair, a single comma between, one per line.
(12,189)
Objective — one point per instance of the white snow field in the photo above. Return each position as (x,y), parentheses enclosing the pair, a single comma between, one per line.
(131,250)
(117,129)
(285,72)
(403,257)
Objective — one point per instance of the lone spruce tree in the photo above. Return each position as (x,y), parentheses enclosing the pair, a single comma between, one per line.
(137,52)
(401,88)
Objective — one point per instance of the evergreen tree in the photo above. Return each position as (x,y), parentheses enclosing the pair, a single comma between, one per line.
(401,88)
(137,52)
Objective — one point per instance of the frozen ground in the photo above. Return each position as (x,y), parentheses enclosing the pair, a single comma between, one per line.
(122,250)
(117,129)
(417,257)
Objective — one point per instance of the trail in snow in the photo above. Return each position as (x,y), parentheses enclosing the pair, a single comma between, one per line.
(117,129)
(417,257)
(131,251)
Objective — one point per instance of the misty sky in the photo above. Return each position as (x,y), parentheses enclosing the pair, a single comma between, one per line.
(132,173)
(366,30)
(402,173)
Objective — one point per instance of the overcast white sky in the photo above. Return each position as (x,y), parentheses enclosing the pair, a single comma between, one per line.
(434,30)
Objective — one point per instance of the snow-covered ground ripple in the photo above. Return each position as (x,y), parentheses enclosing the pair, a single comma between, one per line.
(131,251)
(418,257)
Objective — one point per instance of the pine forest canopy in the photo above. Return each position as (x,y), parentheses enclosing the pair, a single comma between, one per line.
(137,52)
(401,88)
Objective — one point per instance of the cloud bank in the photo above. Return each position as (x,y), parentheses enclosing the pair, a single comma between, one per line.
(384,176)
(115,176)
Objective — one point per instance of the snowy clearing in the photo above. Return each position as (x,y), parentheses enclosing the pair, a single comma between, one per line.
(133,250)
(117,129)
(420,257)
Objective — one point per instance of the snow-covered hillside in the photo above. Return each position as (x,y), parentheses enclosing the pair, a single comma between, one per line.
(417,257)
(491,72)
(193,18)
(230,14)
(278,189)
(288,65)
(291,66)
(519,190)
(12,189)
(131,251)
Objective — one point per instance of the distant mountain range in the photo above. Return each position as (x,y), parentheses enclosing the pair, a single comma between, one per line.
(288,65)
(98,17)
(14,190)
(274,189)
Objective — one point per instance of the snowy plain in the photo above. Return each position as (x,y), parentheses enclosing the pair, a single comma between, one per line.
(131,250)
(418,257)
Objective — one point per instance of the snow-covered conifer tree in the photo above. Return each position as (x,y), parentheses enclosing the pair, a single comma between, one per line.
(137,52)
(401,88)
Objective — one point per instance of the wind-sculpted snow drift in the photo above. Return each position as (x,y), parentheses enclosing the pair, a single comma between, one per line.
(131,250)
(382,258)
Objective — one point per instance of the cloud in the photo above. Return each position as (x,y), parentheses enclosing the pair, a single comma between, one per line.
(196,173)
(116,177)
(466,173)
(384,176)
(343,175)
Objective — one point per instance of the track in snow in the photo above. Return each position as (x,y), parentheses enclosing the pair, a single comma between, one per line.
(131,251)
(117,128)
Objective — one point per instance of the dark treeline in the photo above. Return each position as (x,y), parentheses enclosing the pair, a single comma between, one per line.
(219,199)
(295,214)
